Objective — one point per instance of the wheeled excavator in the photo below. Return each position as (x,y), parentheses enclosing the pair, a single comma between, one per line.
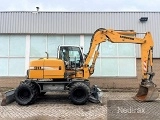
(70,71)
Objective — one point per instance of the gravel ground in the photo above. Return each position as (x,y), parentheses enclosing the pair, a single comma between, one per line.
(58,107)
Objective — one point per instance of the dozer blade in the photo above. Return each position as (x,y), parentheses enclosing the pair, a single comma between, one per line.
(96,94)
(7,97)
(146,93)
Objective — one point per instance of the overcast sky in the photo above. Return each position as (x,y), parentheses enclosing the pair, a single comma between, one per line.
(80,5)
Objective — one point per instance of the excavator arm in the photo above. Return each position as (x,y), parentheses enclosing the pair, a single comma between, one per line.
(147,91)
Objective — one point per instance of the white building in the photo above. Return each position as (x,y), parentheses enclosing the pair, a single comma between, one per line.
(27,35)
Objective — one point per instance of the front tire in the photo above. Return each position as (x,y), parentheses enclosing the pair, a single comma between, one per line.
(79,93)
(26,93)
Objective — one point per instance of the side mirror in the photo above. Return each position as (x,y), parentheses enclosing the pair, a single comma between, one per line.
(47,55)
(81,48)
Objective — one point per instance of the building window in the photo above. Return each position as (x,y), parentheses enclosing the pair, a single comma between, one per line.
(40,44)
(53,41)
(115,59)
(71,40)
(12,55)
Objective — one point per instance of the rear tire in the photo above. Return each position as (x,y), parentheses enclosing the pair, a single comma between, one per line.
(26,93)
(79,93)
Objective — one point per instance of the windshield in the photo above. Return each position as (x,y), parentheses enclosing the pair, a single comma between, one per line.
(70,53)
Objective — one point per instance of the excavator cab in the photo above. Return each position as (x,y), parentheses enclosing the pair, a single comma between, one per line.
(71,55)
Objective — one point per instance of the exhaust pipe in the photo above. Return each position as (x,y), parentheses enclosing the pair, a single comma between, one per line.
(7,97)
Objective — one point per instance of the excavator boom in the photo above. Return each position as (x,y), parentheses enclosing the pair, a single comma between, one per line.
(147,90)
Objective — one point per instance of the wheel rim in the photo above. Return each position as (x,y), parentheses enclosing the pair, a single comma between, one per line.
(79,94)
(24,94)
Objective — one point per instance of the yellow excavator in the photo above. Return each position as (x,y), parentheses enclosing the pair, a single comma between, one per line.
(70,71)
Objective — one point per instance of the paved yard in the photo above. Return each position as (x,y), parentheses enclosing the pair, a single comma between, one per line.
(116,106)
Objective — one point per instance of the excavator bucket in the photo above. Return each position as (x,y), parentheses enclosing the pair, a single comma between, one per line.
(7,97)
(146,93)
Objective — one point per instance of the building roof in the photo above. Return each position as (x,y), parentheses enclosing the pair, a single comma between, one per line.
(47,22)
(72,22)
